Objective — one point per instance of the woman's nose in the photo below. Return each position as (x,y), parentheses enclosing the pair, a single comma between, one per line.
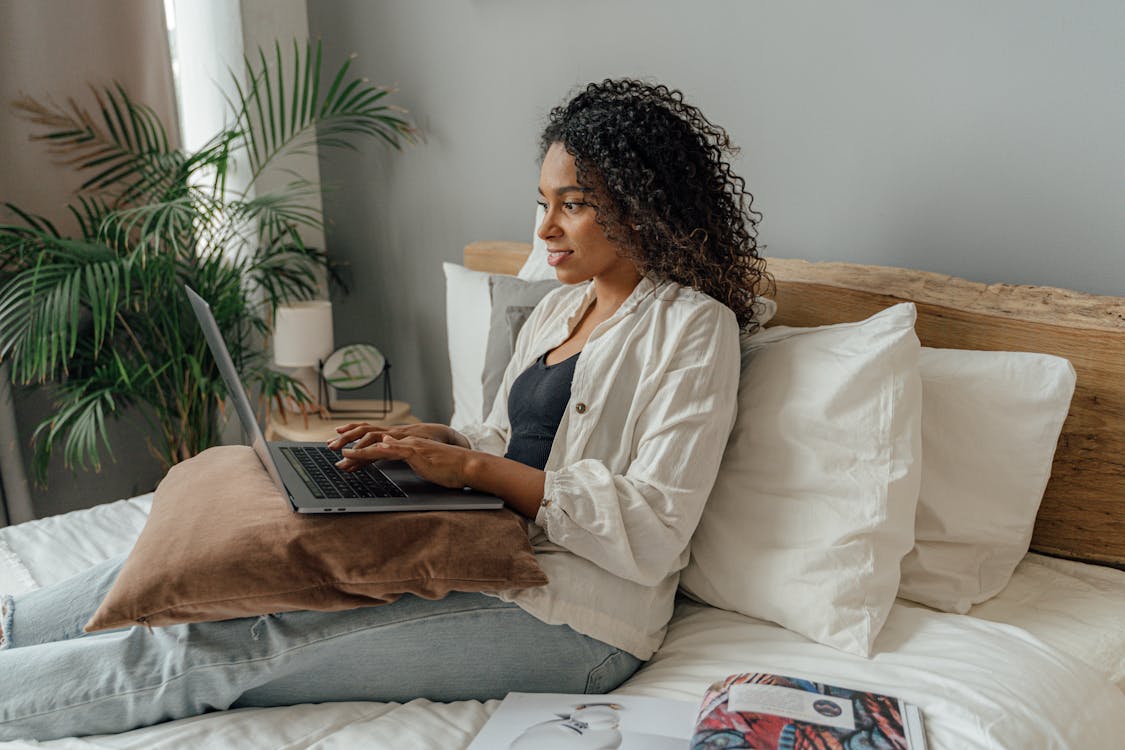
(547,227)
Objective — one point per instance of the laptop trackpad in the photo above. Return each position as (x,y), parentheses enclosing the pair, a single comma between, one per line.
(415,486)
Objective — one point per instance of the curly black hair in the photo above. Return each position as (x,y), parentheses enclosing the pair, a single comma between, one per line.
(662,188)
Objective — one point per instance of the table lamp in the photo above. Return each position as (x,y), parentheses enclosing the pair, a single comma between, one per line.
(302,338)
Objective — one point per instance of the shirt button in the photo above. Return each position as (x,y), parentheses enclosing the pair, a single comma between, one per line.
(580,408)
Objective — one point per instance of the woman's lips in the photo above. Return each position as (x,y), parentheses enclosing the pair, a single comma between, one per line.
(554,257)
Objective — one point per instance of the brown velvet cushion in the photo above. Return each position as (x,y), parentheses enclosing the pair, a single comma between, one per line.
(221,542)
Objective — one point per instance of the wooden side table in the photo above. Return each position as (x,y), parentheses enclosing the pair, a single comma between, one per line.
(293,426)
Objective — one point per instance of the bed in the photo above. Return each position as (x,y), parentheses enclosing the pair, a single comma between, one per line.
(1041,664)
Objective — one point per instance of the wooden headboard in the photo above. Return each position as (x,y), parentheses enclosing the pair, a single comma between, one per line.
(1083,511)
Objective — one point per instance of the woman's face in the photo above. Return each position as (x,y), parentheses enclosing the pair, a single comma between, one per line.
(577,247)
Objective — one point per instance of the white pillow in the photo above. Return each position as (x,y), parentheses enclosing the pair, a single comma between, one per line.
(468,309)
(813,508)
(535,268)
(990,424)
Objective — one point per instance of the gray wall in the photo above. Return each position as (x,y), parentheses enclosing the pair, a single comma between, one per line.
(984,140)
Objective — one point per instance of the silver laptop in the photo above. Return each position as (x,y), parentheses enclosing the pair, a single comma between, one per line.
(306,472)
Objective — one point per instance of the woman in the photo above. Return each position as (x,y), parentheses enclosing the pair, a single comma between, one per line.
(606,433)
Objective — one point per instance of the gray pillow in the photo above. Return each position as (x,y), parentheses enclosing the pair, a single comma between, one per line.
(513,299)
(517,315)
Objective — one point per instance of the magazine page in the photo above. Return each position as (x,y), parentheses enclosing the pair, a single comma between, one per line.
(560,721)
(772,712)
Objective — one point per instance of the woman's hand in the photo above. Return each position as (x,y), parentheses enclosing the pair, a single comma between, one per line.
(364,435)
(438,462)
(443,456)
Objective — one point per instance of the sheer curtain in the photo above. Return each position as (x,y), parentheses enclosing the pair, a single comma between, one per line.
(54,48)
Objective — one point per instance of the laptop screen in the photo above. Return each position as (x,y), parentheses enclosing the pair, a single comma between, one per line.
(234,384)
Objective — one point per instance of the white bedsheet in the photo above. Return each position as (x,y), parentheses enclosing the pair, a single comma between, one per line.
(1077,608)
(1029,669)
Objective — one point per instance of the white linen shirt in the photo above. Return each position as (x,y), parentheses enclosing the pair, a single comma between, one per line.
(652,404)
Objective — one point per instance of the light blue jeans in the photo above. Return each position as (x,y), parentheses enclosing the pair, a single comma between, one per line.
(57,681)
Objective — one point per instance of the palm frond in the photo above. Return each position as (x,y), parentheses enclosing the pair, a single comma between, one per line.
(292,206)
(213,158)
(33,221)
(273,125)
(91,212)
(126,147)
(173,226)
(41,305)
(80,423)
(285,270)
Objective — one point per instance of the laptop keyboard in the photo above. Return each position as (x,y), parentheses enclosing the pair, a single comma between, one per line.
(317,467)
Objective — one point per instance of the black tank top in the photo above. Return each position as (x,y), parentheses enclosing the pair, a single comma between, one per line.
(535,408)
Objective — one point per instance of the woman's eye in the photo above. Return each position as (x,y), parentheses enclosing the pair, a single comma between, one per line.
(568,206)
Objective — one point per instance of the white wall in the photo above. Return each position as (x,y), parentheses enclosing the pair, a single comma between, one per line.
(983,140)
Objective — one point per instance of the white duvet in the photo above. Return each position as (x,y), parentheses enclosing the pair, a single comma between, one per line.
(1033,668)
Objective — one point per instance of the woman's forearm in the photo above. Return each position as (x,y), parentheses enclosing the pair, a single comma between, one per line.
(518,485)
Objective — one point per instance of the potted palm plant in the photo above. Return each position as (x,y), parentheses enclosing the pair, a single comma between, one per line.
(101,316)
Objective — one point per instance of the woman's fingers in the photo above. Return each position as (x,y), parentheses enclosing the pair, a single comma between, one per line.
(344,437)
(369,439)
(354,458)
(383,446)
(361,431)
(350,433)
(437,432)
(376,450)
(363,436)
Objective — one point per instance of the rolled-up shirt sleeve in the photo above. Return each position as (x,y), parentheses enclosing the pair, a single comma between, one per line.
(637,524)
(487,438)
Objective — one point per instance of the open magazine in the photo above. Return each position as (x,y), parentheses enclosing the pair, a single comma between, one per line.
(771,712)
(560,721)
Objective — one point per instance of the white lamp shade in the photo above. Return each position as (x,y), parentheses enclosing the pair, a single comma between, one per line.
(302,333)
